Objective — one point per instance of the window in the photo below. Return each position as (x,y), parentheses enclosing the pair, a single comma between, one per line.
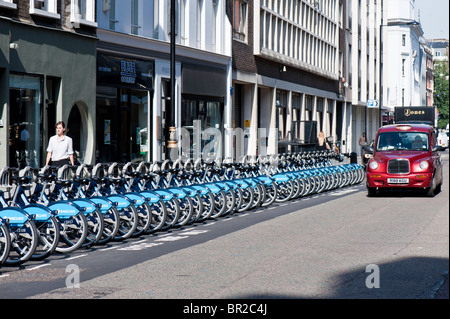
(47,8)
(214,25)
(239,19)
(199,23)
(403,39)
(112,15)
(83,12)
(135,17)
(8,4)
(403,67)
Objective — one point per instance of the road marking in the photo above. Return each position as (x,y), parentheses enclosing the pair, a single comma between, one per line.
(106,249)
(172,238)
(40,266)
(195,232)
(76,257)
(140,246)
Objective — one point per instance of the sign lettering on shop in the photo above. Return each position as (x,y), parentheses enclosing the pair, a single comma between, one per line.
(127,72)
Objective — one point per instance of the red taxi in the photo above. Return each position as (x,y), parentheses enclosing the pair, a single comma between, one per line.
(406,156)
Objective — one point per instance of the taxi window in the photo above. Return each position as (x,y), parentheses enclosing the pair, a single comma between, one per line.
(402,141)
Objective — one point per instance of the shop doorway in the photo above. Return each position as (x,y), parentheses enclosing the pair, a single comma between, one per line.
(122,125)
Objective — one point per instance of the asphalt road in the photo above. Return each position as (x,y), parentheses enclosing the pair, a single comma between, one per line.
(332,246)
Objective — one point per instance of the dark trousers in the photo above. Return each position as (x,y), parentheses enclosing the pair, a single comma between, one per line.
(60,163)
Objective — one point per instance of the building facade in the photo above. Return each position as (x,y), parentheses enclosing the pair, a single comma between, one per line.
(285,74)
(133,77)
(47,74)
(405,71)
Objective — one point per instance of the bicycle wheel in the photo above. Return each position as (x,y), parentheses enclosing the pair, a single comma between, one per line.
(285,190)
(208,206)
(5,242)
(24,239)
(173,213)
(96,225)
(111,220)
(159,215)
(128,222)
(48,238)
(73,232)
(247,199)
(220,204)
(271,194)
(48,227)
(186,211)
(145,219)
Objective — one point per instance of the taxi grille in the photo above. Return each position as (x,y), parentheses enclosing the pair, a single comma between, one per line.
(398,166)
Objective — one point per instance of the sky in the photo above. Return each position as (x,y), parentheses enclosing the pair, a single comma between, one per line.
(434,18)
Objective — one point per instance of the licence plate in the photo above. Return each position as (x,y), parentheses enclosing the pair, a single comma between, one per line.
(398,180)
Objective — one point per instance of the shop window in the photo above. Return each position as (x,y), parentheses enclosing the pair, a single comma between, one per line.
(24,121)
(46,8)
(281,104)
(202,117)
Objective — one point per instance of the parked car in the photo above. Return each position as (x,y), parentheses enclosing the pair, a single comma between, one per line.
(406,156)
(443,139)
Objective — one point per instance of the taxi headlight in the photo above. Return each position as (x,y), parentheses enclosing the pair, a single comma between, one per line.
(373,165)
(424,165)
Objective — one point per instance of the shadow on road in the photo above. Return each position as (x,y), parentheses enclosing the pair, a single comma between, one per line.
(409,278)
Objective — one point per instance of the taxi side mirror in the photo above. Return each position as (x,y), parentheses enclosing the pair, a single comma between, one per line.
(438,148)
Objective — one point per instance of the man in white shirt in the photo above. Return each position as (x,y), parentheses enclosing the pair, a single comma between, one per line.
(60,147)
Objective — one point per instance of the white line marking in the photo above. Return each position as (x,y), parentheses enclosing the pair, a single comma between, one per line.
(172,238)
(195,232)
(40,266)
(76,257)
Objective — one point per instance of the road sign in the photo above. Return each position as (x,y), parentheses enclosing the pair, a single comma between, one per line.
(372,104)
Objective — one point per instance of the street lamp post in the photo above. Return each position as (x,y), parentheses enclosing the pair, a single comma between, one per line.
(172,142)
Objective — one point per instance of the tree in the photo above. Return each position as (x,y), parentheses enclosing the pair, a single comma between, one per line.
(441,91)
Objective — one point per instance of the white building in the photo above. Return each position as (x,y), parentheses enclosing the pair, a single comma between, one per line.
(133,79)
(404,72)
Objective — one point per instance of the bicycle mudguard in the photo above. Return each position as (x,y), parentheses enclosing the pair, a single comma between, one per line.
(179,193)
(222,185)
(203,190)
(242,183)
(16,216)
(279,178)
(120,201)
(165,195)
(151,196)
(265,180)
(64,209)
(191,191)
(213,188)
(105,203)
(41,213)
(89,206)
(232,184)
(137,198)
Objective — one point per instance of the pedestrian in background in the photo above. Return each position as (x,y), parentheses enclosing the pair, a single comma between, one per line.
(322,144)
(60,148)
(362,143)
